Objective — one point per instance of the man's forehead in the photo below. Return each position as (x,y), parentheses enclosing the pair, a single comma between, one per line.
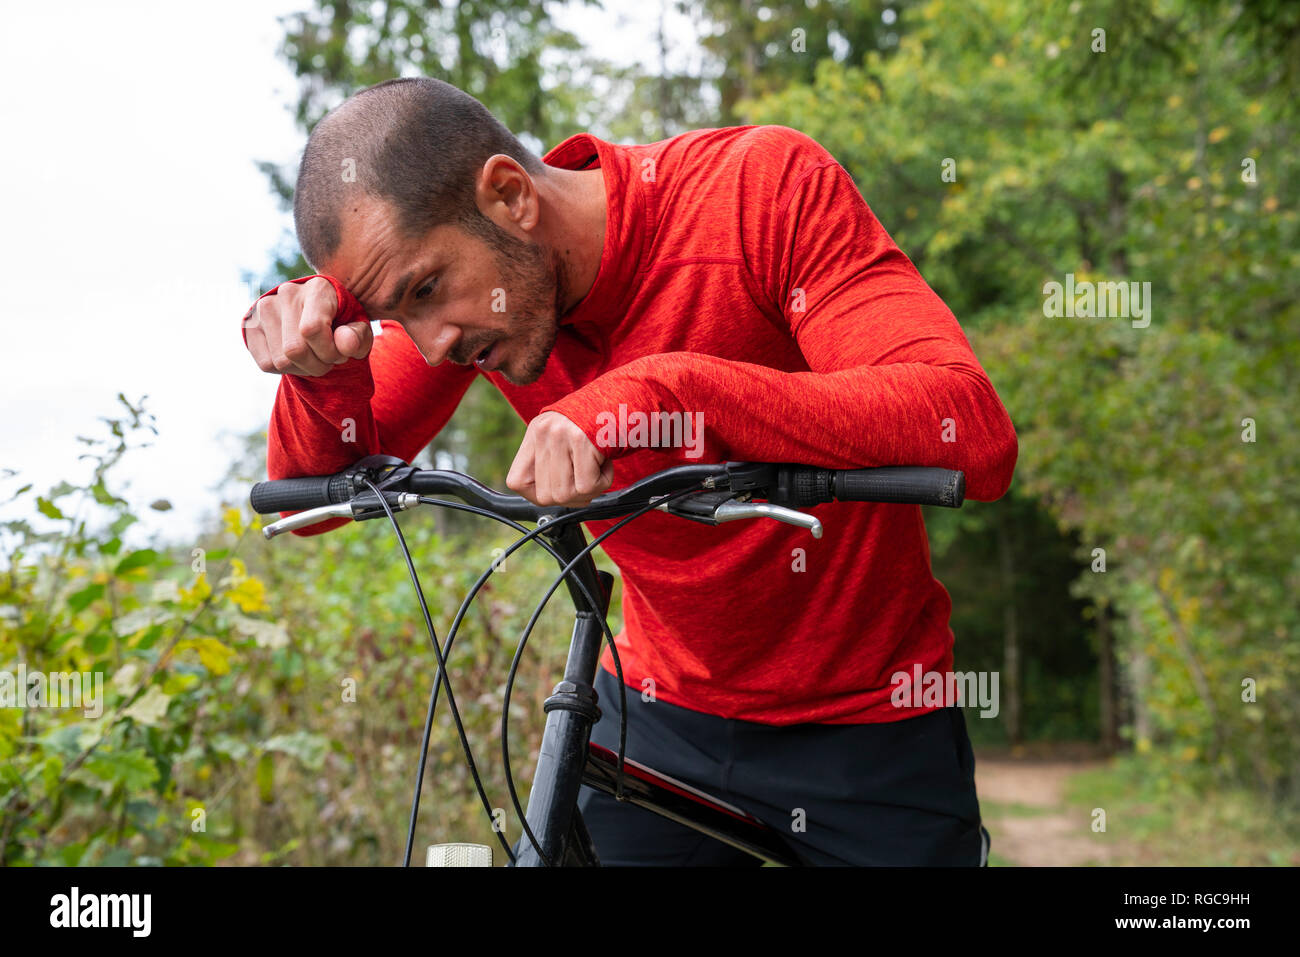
(377,262)
(364,223)
(369,246)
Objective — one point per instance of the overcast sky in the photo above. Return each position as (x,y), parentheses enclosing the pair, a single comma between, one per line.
(132,212)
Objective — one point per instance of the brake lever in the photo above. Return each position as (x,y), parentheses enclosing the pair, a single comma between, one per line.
(734,510)
(714,508)
(359,509)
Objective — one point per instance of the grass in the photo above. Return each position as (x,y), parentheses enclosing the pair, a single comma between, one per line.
(1150,821)
(996,809)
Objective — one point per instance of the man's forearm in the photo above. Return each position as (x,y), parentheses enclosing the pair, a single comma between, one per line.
(896,414)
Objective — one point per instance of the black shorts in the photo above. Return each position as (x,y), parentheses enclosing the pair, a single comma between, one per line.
(899,793)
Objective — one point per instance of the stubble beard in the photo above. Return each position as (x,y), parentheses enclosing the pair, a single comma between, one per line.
(535,282)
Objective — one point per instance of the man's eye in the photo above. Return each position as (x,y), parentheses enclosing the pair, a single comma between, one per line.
(427,290)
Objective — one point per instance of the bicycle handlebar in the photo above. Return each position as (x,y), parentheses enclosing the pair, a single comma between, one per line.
(783,486)
(292,494)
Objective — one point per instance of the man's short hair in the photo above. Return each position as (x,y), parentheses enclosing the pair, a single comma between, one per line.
(417,144)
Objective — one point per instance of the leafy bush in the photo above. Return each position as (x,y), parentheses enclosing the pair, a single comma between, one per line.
(262,702)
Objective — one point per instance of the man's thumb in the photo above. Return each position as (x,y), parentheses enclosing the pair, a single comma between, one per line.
(354,339)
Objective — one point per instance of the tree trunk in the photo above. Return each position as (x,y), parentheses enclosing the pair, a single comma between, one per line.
(1139,676)
(1010,635)
(1106,681)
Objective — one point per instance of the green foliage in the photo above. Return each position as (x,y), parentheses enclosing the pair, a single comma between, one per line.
(1125,165)
(1165,820)
(246,716)
(761,53)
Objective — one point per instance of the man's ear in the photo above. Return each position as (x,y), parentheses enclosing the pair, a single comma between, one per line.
(507,195)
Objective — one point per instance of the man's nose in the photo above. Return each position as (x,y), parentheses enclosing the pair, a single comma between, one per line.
(441,345)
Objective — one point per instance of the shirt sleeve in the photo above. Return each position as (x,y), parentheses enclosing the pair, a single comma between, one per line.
(892,379)
(390,402)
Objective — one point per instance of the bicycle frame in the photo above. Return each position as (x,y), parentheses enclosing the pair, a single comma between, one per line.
(568,759)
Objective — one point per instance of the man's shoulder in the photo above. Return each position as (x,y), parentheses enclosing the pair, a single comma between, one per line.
(767,144)
(757,166)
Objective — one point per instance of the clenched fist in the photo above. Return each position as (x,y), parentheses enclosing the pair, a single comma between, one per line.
(557,465)
(292,332)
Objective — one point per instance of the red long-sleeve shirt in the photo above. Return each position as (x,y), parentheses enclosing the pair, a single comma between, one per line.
(745,281)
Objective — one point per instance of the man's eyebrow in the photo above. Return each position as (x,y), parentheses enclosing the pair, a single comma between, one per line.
(399,294)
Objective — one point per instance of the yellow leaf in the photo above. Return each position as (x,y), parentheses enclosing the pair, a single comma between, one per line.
(249,595)
(1218,133)
(214,655)
(199,593)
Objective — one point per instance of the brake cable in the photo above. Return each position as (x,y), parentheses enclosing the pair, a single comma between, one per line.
(474,590)
(443,651)
(523,641)
(442,677)
(576,515)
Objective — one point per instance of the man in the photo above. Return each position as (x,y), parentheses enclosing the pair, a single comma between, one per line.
(736,278)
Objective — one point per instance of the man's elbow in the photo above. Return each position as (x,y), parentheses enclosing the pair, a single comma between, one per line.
(989,476)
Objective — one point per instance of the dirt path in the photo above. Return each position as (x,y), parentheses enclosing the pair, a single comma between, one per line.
(1022,800)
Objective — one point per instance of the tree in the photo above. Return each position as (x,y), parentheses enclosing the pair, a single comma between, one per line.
(1009,146)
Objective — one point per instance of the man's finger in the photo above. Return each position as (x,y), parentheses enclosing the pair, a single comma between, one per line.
(258,348)
(303,360)
(521,477)
(354,340)
(548,471)
(592,475)
(316,331)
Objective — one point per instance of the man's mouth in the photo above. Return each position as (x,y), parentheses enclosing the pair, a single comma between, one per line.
(487,359)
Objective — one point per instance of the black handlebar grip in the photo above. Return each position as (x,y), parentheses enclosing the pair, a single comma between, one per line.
(904,484)
(297,494)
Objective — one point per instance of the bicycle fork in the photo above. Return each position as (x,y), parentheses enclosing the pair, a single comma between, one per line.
(570,713)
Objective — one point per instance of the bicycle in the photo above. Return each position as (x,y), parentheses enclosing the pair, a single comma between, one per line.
(553,830)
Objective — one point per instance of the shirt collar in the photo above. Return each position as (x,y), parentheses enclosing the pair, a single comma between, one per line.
(605,303)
